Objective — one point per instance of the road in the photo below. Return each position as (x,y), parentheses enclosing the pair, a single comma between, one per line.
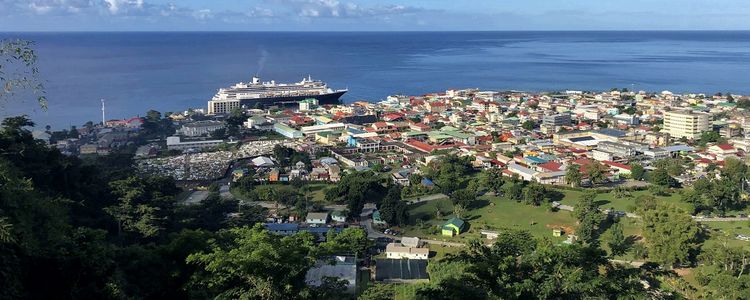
(196,197)
(699,219)
(427,198)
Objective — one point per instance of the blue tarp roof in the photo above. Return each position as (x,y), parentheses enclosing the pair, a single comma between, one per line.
(427,182)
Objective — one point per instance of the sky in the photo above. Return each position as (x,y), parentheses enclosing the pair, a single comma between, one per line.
(370,15)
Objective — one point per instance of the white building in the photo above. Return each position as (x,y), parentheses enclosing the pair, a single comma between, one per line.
(174,143)
(396,251)
(319,218)
(685,124)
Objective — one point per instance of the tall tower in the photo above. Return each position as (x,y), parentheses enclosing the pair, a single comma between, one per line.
(104,120)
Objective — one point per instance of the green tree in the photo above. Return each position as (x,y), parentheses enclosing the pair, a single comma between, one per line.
(534,194)
(661,177)
(637,171)
(588,216)
(251,263)
(493,180)
(596,172)
(573,175)
(392,209)
(19,71)
(671,235)
(528,125)
(616,240)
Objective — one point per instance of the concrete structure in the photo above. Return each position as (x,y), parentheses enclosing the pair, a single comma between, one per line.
(311,130)
(556,120)
(200,128)
(287,131)
(174,143)
(685,124)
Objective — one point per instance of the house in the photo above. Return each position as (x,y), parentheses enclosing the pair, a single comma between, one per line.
(338,216)
(723,151)
(397,251)
(401,270)
(343,268)
(453,227)
(319,218)
(273,176)
(282,228)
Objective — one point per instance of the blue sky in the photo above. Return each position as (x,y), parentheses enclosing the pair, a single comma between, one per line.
(353,15)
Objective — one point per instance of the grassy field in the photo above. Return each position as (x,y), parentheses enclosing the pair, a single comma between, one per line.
(494,214)
(607,200)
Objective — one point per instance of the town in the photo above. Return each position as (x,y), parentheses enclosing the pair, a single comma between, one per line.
(422,177)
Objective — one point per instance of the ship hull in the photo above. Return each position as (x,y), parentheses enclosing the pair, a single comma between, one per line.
(332,98)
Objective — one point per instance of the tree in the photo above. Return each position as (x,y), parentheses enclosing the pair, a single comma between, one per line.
(573,175)
(378,292)
(493,180)
(534,194)
(596,172)
(528,125)
(519,267)
(352,240)
(463,197)
(615,239)
(392,209)
(637,171)
(671,235)
(514,191)
(251,263)
(142,204)
(19,71)
(589,217)
(661,177)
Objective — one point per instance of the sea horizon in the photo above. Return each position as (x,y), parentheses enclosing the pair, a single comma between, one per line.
(175,70)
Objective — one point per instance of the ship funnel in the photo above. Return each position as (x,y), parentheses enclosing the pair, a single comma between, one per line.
(256,80)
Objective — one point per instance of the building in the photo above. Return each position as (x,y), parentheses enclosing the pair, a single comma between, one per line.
(174,143)
(342,268)
(287,131)
(339,216)
(556,120)
(397,251)
(200,128)
(282,228)
(685,124)
(308,104)
(312,130)
(453,227)
(319,218)
(401,270)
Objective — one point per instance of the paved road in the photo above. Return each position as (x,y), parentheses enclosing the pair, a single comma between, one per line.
(196,197)
(726,219)
(427,198)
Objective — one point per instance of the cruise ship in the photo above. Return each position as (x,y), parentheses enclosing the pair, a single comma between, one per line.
(264,94)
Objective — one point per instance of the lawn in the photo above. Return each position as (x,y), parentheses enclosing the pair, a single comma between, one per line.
(607,200)
(726,231)
(494,214)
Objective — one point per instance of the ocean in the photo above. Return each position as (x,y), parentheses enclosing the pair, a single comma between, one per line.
(136,72)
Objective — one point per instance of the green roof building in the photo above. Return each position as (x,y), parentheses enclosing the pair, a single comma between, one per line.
(453,227)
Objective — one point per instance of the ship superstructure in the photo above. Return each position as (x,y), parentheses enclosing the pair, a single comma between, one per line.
(256,93)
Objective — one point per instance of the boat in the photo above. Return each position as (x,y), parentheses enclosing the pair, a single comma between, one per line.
(256,94)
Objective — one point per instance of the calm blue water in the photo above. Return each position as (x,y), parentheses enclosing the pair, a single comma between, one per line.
(172,71)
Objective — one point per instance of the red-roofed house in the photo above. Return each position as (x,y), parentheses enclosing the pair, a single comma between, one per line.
(392,117)
(618,167)
(723,151)
(550,166)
